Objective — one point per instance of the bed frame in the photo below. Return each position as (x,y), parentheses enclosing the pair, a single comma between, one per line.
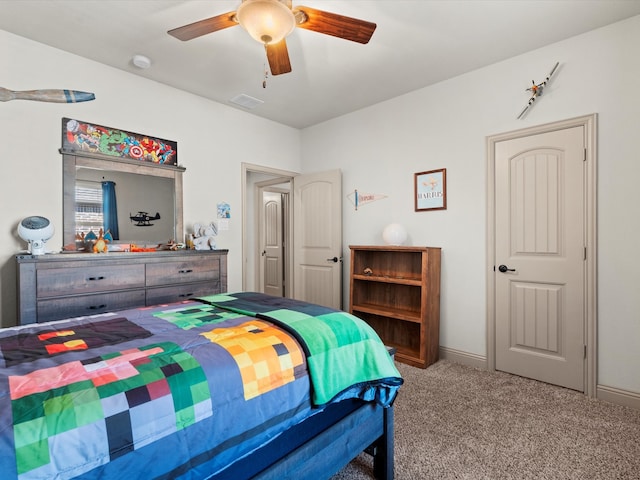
(323,444)
(328,452)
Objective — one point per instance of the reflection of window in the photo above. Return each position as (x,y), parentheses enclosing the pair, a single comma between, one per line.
(88,207)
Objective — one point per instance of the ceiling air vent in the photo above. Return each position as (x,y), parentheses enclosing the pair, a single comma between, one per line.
(246,101)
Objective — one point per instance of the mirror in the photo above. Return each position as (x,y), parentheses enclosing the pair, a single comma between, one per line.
(144,192)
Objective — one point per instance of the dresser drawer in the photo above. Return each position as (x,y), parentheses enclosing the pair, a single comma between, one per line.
(58,308)
(56,282)
(180,292)
(184,271)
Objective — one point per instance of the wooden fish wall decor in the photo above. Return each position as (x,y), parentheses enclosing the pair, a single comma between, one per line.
(51,95)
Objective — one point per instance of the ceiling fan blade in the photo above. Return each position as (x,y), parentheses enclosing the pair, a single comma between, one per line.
(337,25)
(278,57)
(203,27)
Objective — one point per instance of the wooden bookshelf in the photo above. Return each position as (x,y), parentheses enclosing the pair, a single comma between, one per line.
(396,290)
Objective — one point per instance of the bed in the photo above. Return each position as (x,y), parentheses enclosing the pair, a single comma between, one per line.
(230,386)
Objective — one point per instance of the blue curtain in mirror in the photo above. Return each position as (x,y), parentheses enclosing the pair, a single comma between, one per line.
(110,209)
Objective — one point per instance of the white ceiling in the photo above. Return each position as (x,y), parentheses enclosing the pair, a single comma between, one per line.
(417,43)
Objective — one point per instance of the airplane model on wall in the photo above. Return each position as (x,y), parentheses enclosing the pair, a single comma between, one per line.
(536,90)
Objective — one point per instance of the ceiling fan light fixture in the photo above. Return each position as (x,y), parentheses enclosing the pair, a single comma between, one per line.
(267,21)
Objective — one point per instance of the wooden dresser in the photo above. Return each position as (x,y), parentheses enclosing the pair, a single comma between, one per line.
(397,291)
(52,287)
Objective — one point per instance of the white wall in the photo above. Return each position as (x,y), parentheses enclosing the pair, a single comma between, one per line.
(211,145)
(446,125)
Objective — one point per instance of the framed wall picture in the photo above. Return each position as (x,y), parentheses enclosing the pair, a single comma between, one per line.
(82,136)
(431,190)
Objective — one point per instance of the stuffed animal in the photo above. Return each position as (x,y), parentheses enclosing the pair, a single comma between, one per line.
(203,237)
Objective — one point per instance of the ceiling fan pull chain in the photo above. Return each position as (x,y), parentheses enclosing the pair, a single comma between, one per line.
(266,75)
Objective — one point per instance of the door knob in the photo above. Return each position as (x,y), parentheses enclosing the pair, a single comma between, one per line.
(504,268)
(334,259)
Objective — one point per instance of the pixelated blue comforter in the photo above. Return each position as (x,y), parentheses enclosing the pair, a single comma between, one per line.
(173,391)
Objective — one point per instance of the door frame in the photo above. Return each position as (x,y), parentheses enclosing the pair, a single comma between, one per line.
(589,122)
(247,206)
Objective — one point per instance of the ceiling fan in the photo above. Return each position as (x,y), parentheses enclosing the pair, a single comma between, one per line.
(270,21)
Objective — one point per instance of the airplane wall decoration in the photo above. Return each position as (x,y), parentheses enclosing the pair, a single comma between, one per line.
(537,89)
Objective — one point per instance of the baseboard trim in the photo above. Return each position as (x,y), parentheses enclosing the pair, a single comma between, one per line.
(464,358)
(618,396)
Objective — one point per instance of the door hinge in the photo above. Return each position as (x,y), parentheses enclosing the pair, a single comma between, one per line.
(585,155)
(585,253)
(585,351)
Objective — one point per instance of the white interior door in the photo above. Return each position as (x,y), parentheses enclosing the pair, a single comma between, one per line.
(317,224)
(271,244)
(540,254)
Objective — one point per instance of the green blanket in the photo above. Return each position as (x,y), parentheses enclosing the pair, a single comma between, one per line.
(346,358)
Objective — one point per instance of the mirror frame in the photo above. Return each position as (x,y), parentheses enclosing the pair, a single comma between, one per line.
(72,160)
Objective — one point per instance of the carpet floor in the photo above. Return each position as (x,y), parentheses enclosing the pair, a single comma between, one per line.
(457,422)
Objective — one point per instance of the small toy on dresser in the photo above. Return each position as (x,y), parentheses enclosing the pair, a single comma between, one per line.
(90,242)
(100,245)
(170,245)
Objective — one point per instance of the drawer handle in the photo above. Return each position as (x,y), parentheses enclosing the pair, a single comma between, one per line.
(96,278)
(182,295)
(188,270)
(97,307)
